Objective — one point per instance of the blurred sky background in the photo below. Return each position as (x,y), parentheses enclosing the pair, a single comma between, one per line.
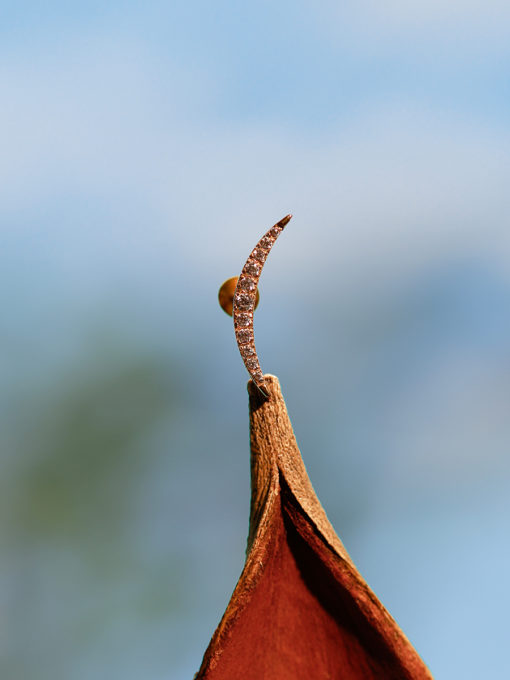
(144,149)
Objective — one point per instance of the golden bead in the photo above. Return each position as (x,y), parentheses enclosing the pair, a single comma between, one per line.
(226,295)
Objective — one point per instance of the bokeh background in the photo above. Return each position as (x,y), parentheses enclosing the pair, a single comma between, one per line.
(145,147)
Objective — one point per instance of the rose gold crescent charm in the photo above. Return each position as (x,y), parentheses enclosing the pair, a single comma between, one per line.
(244,302)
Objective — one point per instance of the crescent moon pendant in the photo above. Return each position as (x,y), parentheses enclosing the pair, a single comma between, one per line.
(244,302)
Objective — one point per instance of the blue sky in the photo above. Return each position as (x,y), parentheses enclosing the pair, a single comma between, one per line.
(144,150)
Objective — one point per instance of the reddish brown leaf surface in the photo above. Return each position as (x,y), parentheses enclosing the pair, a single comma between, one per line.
(301,610)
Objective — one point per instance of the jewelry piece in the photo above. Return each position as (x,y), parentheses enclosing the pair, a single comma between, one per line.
(245,302)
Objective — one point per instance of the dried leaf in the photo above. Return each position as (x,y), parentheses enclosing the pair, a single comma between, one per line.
(300,610)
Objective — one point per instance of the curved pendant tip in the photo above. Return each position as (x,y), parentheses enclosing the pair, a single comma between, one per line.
(244,301)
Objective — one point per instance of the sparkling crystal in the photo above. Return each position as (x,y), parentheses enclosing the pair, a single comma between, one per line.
(275,231)
(253,268)
(243,319)
(244,301)
(247,284)
(266,242)
(252,363)
(245,335)
(259,254)
(248,350)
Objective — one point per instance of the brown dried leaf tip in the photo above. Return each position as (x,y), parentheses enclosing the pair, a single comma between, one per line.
(301,610)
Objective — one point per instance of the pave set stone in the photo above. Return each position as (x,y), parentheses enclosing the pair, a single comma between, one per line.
(244,319)
(251,363)
(247,284)
(252,268)
(260,255)
(244,301)
(244,335)
(258,378)
(266,242)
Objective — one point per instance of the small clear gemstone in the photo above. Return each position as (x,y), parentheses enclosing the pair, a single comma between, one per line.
(275,231)
(259,254)
(252,363)
(243,319)
(266,242)
(244,301)
(253,268)
(245,335)
(248,351)
(247,284)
